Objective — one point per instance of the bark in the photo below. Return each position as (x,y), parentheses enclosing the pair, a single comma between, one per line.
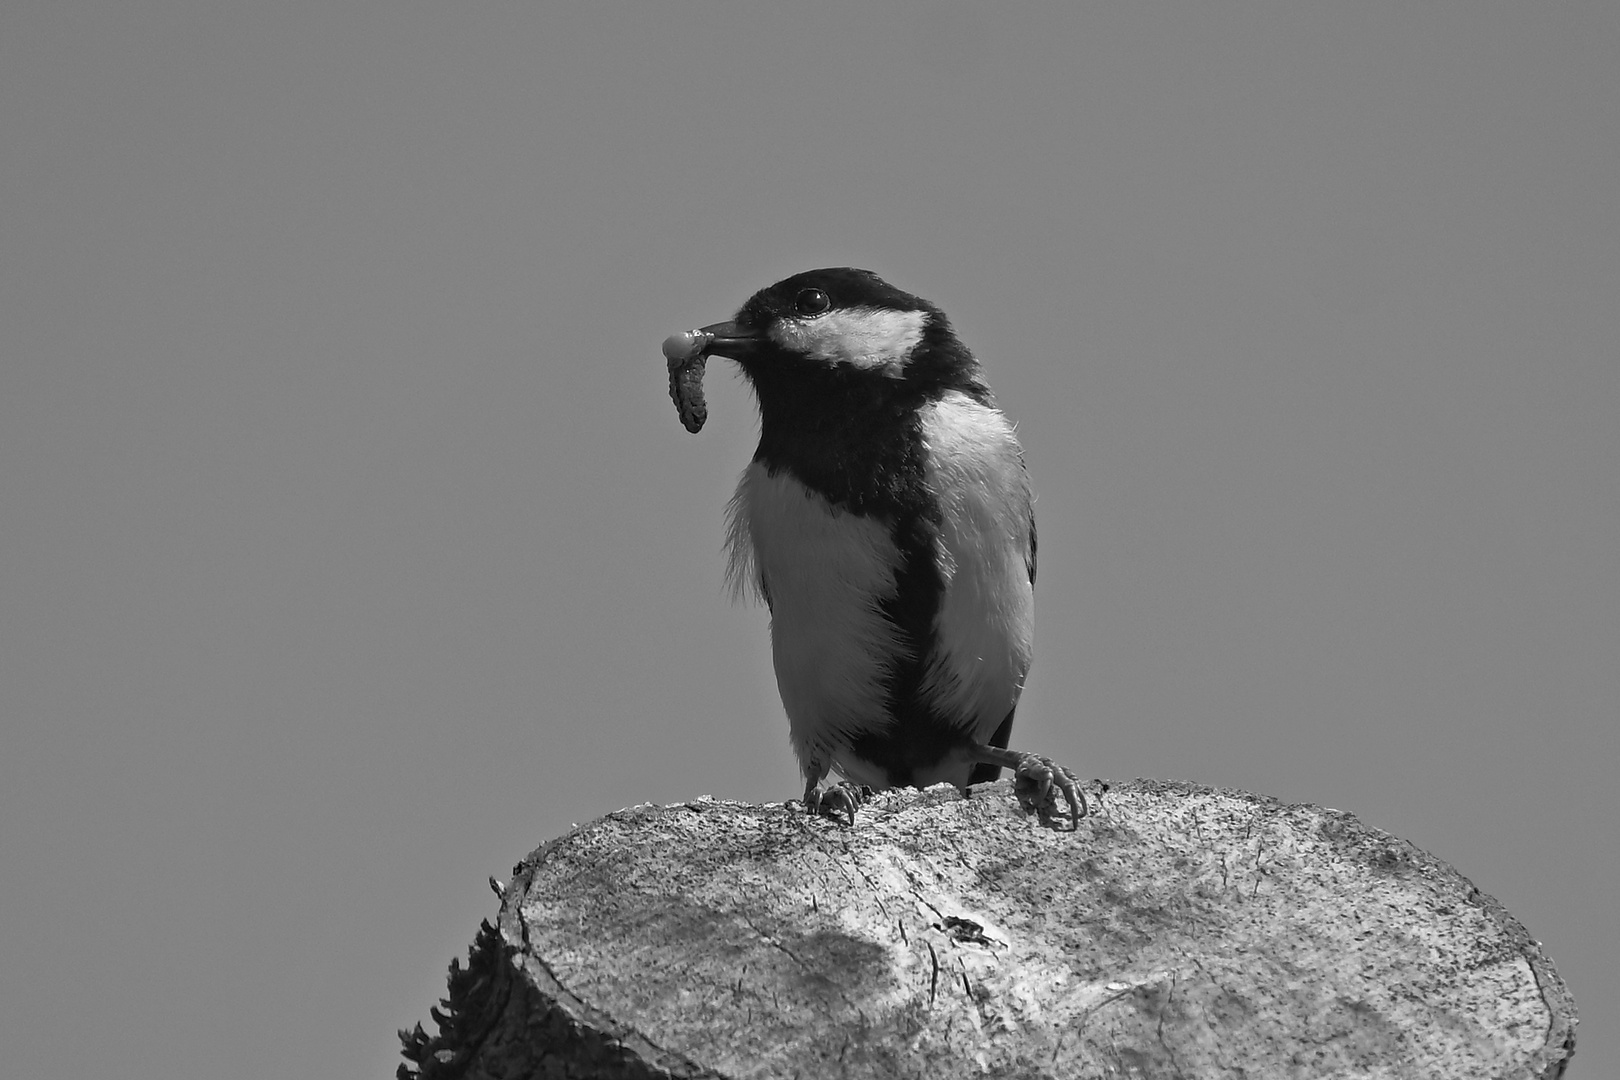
(1178,932)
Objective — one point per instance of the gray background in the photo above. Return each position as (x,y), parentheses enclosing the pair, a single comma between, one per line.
(350,547)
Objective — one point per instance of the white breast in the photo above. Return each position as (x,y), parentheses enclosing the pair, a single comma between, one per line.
(824,570)
(986,624)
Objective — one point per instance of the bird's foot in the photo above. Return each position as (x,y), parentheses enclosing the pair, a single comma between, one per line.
(837,799)
(1037,781)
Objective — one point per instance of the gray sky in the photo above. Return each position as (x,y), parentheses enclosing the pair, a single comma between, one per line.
(350,546)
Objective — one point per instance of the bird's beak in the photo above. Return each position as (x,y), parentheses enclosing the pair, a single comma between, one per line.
(732,341)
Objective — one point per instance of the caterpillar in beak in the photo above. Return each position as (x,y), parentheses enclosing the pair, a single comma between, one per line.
(685,352)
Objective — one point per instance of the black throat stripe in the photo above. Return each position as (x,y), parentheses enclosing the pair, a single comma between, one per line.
(917,736)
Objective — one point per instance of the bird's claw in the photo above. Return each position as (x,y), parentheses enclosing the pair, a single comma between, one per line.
(1036,782)
(837,800)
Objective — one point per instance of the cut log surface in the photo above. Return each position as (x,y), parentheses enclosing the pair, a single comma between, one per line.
(1179,931)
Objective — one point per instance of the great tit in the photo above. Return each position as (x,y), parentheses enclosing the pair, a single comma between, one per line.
(887,522)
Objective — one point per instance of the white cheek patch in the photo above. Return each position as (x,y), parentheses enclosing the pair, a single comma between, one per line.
(986,624)
(872,339)
(825,571)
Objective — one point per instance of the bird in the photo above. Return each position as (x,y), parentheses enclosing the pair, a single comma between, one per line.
(887,523)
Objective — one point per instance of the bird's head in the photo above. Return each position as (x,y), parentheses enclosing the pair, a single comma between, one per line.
(840,320)
(836,318)
(830,339)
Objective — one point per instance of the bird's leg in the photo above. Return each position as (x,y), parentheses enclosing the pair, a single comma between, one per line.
(832,798)
(1036,782)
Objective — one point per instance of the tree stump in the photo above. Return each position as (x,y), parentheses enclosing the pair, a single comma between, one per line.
(1179,931)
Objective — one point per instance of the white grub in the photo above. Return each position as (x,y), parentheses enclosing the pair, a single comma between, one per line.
(686,383)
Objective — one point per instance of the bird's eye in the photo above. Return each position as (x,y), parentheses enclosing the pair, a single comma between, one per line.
(811,302)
